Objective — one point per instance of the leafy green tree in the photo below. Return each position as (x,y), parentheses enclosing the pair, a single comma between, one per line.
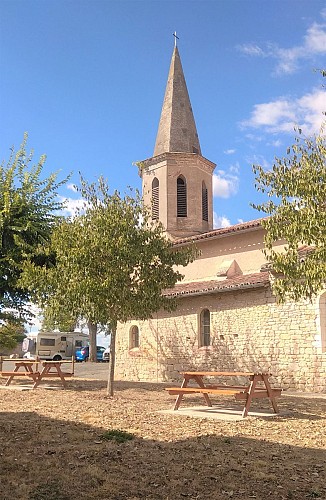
(28,211)
(111,264)
(62,319)
(11,331)
(296,187)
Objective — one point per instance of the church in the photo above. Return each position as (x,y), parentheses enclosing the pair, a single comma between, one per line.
(227,316)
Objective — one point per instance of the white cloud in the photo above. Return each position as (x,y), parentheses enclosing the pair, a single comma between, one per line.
(72,206)
(229,151)
(220,221)
(72,187)
(283,114)
(259,160)
(276,144)
(315,39)
(251,49)
(252,137)
(235,168)
(288,59)
(224,184)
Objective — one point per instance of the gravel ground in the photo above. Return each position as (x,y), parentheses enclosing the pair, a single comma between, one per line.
(54,446)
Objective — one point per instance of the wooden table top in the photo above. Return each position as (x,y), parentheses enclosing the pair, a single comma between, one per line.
(227,374)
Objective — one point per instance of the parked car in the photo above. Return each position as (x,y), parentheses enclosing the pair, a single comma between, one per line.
(106,355)
(82,354)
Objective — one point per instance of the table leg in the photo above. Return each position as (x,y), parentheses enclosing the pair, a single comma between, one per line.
(63,380)
(180,396)
(270,393)
(200,382)
(40,376)
(46,370)
(251,390)
(29,369)
(8,381)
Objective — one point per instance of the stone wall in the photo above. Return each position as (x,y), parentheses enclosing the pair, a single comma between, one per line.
(249,332)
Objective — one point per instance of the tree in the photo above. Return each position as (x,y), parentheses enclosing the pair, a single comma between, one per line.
(111,264)
(296,186)
(63,320)
(28,211)
(11,331)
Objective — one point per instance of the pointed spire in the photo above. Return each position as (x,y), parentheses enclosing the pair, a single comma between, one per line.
(177,129)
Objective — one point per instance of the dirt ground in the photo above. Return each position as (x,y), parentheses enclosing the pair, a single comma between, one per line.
(53,447)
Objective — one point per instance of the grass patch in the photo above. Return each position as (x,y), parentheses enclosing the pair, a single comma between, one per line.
(314,494)
(117,435)
(49,491)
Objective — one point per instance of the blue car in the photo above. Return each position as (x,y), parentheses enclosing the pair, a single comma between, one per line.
(82,354)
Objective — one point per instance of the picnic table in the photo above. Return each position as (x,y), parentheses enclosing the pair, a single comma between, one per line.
(30,368)
(258,386)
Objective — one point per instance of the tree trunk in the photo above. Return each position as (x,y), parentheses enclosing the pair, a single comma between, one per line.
(112,360)
(92,330)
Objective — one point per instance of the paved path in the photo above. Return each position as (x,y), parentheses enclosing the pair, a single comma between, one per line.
(94,371)
(99,371)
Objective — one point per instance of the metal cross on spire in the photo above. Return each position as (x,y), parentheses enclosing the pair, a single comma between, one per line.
(175,38)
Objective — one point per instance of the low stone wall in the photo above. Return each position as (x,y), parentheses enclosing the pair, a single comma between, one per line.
(249,332)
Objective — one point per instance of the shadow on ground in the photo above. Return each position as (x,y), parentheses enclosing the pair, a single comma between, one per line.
(45,458)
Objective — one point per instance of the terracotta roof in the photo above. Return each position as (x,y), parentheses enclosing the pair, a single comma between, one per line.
(252,224)
(303,251)
(214,286)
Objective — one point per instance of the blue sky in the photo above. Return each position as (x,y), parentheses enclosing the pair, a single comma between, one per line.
(86,80)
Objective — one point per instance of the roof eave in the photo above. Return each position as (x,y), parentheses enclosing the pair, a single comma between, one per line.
(245,286)
(208,236)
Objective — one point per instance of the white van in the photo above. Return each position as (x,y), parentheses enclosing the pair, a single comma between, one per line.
(54,345)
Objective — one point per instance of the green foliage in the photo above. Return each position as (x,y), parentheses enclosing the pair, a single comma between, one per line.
(63,320)
(28,207)
(296,188)
(111,262)
(11,333)
(117,435)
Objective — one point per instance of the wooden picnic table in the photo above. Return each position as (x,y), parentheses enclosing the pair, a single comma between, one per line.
(30,368)
(258,386)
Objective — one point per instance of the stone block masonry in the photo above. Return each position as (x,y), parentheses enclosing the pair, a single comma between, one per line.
(249,332)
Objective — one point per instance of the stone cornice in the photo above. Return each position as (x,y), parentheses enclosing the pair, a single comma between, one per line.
(164,157)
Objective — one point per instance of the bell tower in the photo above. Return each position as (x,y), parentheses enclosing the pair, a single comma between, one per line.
(177,181)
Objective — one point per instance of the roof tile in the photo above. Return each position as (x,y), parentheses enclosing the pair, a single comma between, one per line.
(214,286)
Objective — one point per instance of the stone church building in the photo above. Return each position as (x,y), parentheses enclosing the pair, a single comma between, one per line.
(227,317)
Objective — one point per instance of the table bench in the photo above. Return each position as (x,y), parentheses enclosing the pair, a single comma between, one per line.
(30,368)
(240,392)
(57,373)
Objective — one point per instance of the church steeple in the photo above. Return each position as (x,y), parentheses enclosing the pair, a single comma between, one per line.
(177,129)
(178,180)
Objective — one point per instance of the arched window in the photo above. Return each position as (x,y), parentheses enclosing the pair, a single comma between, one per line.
(322,315)
(181,197)
(134,337)
(205,328)
(155,199)
(204,201)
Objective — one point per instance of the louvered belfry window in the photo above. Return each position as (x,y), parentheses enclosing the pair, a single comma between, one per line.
(181,197)
(155,199)
(204,201)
